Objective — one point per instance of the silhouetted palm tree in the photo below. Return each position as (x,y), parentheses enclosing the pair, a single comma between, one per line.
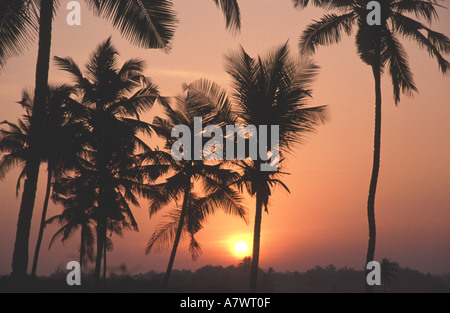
(271,91)
(147,23)
(57,147)
(379,48)
(77,193)
(112,99)
(204,185)
(78,197)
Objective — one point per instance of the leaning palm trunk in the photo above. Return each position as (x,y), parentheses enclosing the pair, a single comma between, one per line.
(43,218)
(20,254)
(177,237)
(375,171)
(256,243)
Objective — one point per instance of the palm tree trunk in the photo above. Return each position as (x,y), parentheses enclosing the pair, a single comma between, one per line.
(102,219)
(256,243)
(104,260)
(375,170)
(81,250)
(43,218)
(184,209)
(20,254)
(101,229)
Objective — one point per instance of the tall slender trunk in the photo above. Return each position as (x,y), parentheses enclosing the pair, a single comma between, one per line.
(101,230)
(184,209)
(375,170)
(21,245)
(82,251)
(43,218)
(104,259)
(256,243)
(102,219)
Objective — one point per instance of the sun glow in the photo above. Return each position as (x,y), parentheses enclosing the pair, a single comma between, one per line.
(241,249)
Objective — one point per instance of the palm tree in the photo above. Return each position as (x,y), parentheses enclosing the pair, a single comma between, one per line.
(112,99)
(77,195)
(204,186)
(59,146)
(147,23)
(379,48)
(271,91)
(56,148)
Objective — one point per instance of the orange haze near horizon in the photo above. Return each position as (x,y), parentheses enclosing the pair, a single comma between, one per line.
(323,221)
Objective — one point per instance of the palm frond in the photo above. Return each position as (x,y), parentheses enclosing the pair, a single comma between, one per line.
(240,66)
(420,8)
(224,198)
(145,23)
(436,43)
(164,233)
(231,11)
(207,93)
(399,70)
(194,248)
(304,3)
(8,162)
(161,195)
(326,31)
(18,27)
(69,65)
(103,62)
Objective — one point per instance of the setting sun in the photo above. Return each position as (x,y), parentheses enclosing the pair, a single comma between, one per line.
(241,249)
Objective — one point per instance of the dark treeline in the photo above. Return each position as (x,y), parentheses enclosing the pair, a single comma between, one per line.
(234,279)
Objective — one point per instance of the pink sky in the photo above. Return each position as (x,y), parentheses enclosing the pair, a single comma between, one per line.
(323,220)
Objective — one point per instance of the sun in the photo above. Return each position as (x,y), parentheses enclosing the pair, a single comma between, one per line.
(241,249)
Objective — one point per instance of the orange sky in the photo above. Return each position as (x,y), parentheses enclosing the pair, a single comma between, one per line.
(323,221)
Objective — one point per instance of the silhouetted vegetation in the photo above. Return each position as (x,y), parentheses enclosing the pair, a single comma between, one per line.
(378,47)
(204,185)
(234,279)
(147,23)
(271,90)
(89,132)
